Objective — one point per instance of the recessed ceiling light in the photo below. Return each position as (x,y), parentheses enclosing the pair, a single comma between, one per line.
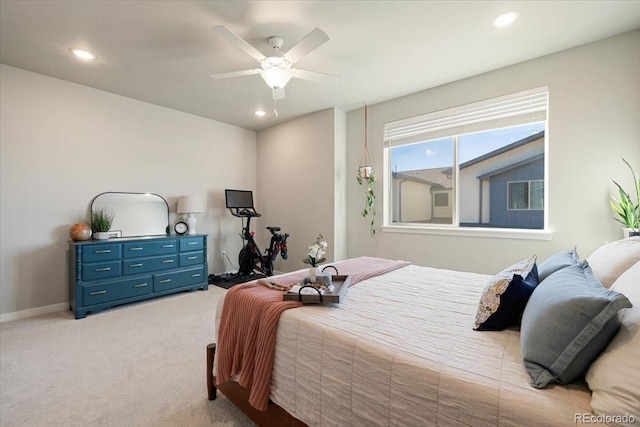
(260,113)
(83,54)
(505,19)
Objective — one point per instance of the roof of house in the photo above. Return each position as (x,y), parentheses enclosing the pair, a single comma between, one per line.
(435,177)
(504,149)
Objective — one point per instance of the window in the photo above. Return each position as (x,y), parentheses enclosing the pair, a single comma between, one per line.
(476,166)
(526,195)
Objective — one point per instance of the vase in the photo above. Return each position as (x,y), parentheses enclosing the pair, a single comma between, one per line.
(80,232)
(365,171)
(312,275)
(101,235)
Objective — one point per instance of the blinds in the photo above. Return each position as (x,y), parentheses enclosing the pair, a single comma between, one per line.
(511,110)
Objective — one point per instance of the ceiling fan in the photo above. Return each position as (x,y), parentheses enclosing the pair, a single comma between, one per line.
(277,70)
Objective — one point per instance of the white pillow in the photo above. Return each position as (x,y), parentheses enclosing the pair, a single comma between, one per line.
(608,262)
(614,377)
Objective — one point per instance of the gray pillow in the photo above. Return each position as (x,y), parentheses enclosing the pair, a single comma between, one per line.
(557,262)
(568,321)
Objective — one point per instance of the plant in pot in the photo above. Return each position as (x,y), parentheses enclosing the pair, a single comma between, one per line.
(367,177)
(628,211)
(101,220)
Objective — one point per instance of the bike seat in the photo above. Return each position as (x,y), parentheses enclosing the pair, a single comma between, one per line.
(274,229)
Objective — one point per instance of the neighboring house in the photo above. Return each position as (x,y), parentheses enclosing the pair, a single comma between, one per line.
(502,188)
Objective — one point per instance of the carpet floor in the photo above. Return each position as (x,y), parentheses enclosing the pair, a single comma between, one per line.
(140,364)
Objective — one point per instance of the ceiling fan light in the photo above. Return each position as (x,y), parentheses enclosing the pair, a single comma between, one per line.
(276,77)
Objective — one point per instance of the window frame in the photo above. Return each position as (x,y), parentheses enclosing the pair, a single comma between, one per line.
(455,229)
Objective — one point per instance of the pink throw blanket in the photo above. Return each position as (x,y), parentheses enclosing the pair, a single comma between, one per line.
(249,321)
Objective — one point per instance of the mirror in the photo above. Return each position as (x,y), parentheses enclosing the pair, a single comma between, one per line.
(135,214)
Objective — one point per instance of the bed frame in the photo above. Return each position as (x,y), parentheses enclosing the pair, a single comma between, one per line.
(274,416)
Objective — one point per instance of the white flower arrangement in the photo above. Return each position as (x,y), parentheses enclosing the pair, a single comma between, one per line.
(316,252)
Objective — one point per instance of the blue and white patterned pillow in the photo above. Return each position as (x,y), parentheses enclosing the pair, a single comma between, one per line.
(505,296)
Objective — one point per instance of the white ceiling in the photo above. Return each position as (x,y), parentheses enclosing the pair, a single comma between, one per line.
(162,52)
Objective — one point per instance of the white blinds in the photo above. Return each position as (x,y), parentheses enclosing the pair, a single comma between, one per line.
(511,110)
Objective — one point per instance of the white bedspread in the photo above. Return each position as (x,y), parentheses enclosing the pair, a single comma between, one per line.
(400,351)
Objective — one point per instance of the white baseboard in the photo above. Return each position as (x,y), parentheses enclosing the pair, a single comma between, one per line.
(33,312)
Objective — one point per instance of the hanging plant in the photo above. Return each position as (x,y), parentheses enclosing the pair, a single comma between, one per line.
(366,176)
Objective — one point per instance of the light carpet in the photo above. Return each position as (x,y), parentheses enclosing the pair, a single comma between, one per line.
(140,364)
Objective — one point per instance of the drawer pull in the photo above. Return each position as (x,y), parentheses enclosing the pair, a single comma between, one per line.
(136,265)
(97,270)
(97,293)
(135,249)
(167,261)
(103,251)
(164,281)
(192,243)
(196,275)
(192,257)
(140,285)
(167,246)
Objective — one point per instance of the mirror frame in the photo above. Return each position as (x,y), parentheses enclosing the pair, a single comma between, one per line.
(122,231)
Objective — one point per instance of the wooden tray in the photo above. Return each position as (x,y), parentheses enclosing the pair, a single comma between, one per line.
(340,282)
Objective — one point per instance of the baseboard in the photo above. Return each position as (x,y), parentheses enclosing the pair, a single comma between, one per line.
(22,314)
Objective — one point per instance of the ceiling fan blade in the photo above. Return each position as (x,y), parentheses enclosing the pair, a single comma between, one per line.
(235,39)
(278,93)
(314,76)
(311,41)
(235,74)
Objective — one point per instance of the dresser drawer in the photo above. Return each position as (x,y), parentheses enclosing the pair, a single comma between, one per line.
(166,281)
(191,244)
(101,252)
(145,265)
(191,258)
(96,294)
(102,270)
(145,249)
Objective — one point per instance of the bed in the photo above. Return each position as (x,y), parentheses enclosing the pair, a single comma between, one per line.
(401,349)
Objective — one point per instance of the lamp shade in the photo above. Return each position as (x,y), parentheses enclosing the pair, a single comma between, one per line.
(190,204)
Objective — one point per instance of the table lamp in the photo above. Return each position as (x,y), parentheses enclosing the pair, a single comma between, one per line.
(190,205)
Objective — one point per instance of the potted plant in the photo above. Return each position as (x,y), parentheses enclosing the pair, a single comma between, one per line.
(370,201)
(626,209)
(101,220)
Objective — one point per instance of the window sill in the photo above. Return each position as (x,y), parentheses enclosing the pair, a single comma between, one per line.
(498,233)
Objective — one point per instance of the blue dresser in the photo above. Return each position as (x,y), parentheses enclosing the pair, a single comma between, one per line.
(107,273)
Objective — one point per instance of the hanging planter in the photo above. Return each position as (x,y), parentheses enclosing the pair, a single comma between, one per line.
(367,177)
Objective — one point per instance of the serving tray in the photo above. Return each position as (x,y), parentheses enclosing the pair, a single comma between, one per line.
(341,284)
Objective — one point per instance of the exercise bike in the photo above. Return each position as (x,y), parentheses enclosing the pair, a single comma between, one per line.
(250,258)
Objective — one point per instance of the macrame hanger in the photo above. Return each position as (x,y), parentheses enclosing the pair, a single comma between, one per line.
(365,153)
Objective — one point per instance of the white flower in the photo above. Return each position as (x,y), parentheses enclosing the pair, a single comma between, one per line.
(317,250)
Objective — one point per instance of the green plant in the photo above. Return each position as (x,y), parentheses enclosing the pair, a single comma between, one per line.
(624,207)
(101,220)
(370,202)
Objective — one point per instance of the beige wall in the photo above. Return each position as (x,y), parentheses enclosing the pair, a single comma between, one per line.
(298,172)
(594,106)
(61,144)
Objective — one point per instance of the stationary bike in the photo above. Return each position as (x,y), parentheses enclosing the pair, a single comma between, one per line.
(250,258)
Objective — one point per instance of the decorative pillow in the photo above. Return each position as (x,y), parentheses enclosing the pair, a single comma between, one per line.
(615,389)
(557,262)
(567,323)
(505,296)
(611,260)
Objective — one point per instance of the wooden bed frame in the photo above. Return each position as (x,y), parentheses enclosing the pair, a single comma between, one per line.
(274,416)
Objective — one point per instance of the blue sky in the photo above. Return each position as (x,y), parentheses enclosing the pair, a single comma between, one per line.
(439,153)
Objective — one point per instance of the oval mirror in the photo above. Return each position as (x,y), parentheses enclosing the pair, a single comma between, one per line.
(135,214)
